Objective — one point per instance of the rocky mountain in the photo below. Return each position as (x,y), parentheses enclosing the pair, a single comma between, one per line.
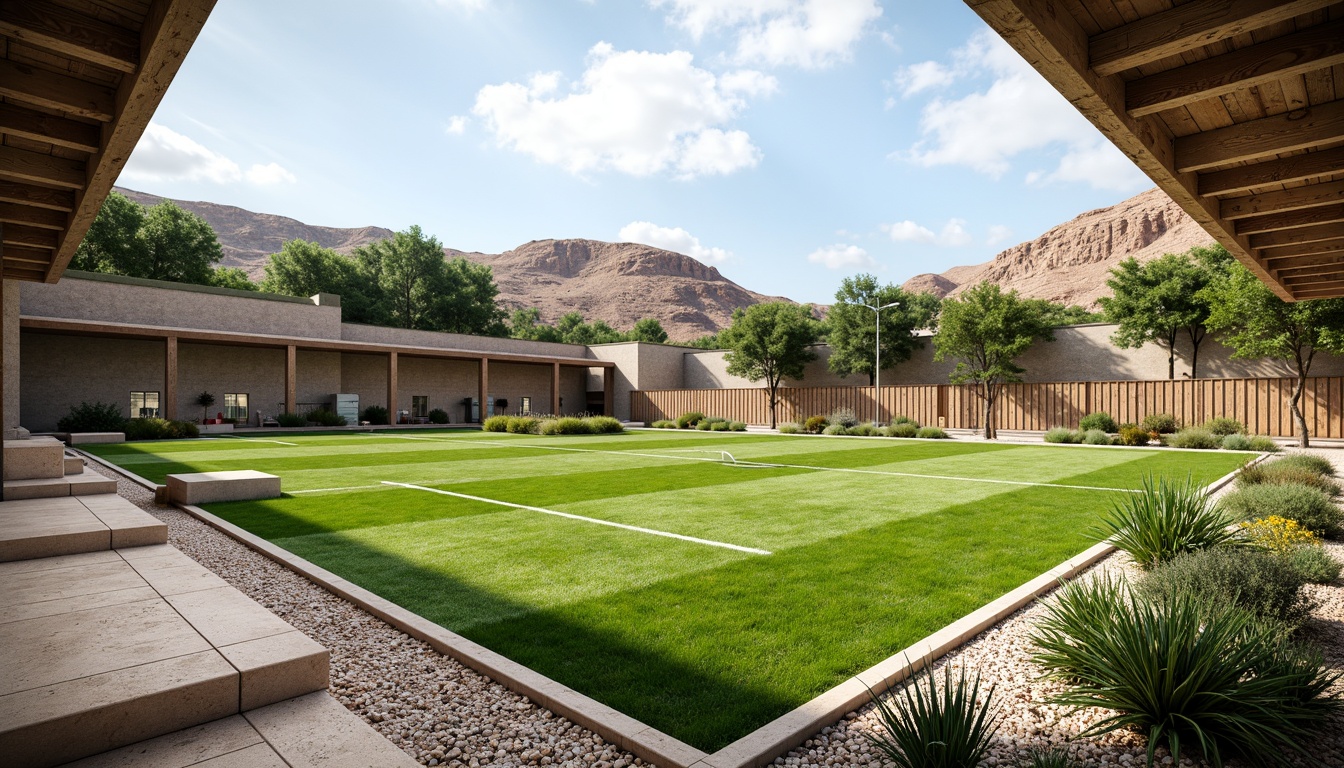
(1071,262)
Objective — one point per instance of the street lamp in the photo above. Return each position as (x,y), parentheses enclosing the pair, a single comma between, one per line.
(877,364)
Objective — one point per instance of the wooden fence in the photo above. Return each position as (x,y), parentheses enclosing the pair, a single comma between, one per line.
(1261,404)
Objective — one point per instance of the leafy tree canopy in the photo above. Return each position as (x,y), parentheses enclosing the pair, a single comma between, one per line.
(648,329)
(305,269)
(852,326)
(770,342)
(164,242)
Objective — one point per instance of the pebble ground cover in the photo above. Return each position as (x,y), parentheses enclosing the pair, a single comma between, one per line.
(801,562)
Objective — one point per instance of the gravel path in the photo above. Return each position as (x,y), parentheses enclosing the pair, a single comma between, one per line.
(441,712)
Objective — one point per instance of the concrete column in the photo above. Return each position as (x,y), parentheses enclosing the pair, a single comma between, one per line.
(392,387)
(291,378)
(483,386)
(609,390)
(170,378)
(555,389)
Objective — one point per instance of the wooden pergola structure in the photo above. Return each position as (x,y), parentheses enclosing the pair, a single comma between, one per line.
(1235,108)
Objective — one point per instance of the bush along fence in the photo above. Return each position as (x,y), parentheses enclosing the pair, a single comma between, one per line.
(1261,404)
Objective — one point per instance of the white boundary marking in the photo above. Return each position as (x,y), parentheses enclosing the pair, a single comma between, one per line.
(637,529)
(250,439)
(750,463)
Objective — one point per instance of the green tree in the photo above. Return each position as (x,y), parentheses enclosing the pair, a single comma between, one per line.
(1160,300)
(853,327)
(113,239)
(164,242)
(648,329)
(573,330)
(407,270)
(466,302)
(1248,317)
(770,342)
(232,277)
(304,269)
(526,324)
(925,307)
(1058,315)
(985,330)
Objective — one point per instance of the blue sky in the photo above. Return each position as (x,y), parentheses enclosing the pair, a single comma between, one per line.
(790,143)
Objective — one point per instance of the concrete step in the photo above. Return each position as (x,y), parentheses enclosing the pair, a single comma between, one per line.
(85,483)
(68,525)
(105,649)
(34,458)
(74,465)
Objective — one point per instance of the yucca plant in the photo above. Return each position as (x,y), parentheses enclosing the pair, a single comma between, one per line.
(1184,673)
(1049,757)
(1165,518)
(937,725)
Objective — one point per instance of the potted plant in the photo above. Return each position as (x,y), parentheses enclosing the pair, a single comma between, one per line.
(205,400)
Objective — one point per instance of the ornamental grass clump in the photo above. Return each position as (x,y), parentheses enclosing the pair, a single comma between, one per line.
(1165,518)
(1099,420)
(495,424)
(1184,674)
(523,425)
(1161,423)
(1194,437)
(1307,461)
(843,416)
(664,424)
(689,419)
(1096,437)
(1063,435)
(604,425)
(835,429)
(865,430)
(737,426)
(1290,470)
(1223,426)
(1310,507)
(790,428)
(1259,581)
(937,724)
(1264,444)
(931,433)
(903,429)
(1315,564)
(904,420)
(1236,443)
(1133,435)
(815,424)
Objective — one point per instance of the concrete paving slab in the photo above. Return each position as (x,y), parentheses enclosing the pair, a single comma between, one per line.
(41,528)
(189,746)
(172,573)
(76,603)
(9,569)
(315,730)
(225,616)
(74,580)
(278,667)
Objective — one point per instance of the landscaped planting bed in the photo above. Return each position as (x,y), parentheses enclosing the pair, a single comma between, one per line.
(702,593)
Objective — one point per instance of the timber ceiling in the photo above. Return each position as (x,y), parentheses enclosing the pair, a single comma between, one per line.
(79,81)
(1235,108)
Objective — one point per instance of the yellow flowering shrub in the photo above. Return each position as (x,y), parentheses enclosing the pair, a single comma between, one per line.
(1278,533)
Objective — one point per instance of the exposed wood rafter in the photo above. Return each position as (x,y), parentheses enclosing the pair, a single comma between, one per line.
(1313,196)
(1289,169)
(50,26)
(1300,129)
(31,85)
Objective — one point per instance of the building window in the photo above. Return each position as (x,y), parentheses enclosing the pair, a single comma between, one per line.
(526,404)
(419,406)
(235,406)
(144,405)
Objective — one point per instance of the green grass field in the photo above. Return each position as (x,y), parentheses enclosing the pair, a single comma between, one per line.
(701,596)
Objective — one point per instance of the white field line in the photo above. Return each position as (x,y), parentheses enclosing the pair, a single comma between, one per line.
(251,439)
(749,463)
(637,529)
(327,490)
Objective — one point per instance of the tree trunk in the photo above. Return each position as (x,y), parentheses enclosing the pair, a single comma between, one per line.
(990,432)
(773,389)
(1194,359)
(1303,439)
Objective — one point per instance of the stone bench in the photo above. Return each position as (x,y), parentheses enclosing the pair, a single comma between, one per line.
(88,438)
(209,487)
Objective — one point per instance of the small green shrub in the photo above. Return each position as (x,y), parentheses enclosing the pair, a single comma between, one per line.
(937,724)
(92,417)
(1063,435)
(703,425)
(1309,507)
(1184,674)
(324,418)
(604,425)
(737,426)
(1313,563)
(1194,437)
(689,420)
(843,416)
(1164,519)
(438,416)
(495,424)
(1236,443)
(865,430)
(159,429)
(1223,426)
(523,425)
(565,425)
(375,414)
(904,420)
(815,424)
(790,428)
(835,429)
(664,424)
(1099,420)
(1256,580)
(931,433)
(904,429)
(1161,423)
(718,426)
(1096,437)
(291,420)
(1264,444)
(1054,756)
(1285,471)
(1133,435)
(1307,461)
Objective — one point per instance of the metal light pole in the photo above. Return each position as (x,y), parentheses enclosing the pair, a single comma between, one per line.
(877,364)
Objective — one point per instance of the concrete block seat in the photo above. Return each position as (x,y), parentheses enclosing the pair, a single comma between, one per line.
(67,525)
(89,438)
(34,458)
(105,649)
(207,487)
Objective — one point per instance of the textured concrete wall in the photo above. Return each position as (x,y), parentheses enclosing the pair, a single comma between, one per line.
(366,376)
(61,371)
(81,296)
(13,358)
(639,366)
(317,376)
(379,335)
(258,373)
(444,382)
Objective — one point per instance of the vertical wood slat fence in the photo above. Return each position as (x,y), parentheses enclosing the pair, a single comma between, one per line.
(1261,404)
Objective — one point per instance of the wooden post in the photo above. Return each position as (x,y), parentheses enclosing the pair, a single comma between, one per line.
(483,387)
(291,378)
(392,387)
(4,366)
(555,389)
(170,378)
(609,390)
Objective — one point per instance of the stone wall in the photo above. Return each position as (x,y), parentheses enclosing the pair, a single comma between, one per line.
(258,373)
(379,335)
(61,371)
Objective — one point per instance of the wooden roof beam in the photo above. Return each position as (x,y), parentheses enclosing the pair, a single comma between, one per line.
(1335,259)
(1245,178)
(37,197)
(1332,293)
(46,169)
(170,28)
(26,83)
(50,26)
(1294,282)
(1329,267)
(41,218)
(1050,38)
(1314,48)
(1312,196)
(1275,255)
(40,126)
(1187,27)
(1275,222)
(17,234)
(1300,235)
(28,255)
(1300,129)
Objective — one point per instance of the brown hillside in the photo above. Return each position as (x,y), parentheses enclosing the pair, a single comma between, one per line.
(1071,262)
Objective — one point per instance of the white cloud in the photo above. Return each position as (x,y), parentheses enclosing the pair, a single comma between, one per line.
(469,6)
(457,125)
(163,154)
(998,234)
(811,34)
(671,239)
(635,112)
(269,174)
(953,234)
(842,256)
(1017,112)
